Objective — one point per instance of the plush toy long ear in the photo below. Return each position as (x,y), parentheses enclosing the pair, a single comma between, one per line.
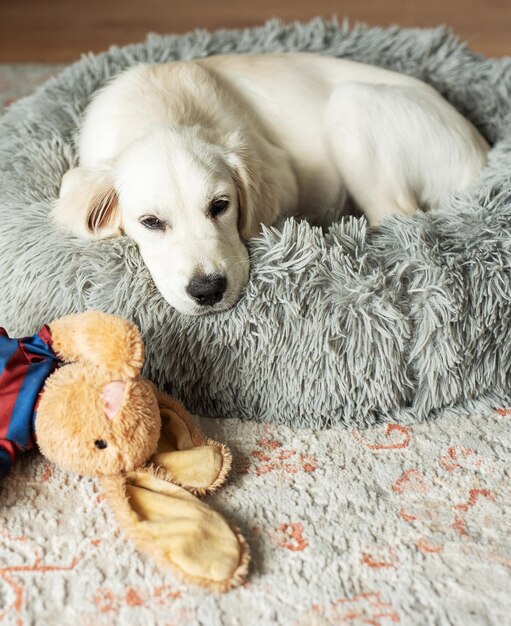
(104,340)
(177,530)
(88,205)
(184,455)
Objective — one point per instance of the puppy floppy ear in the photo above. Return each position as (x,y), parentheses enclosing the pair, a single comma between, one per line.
(257,198)
(88,205)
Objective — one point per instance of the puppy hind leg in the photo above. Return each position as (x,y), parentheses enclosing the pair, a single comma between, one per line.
(368,153)
(400,147)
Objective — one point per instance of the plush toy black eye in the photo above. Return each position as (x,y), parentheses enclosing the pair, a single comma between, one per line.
(152,222)
(218,206)
(101,444)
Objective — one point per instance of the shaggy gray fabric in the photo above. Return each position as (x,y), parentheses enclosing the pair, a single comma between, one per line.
(338,327)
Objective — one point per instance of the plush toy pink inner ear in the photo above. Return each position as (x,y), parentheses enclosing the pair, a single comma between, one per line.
(112,396)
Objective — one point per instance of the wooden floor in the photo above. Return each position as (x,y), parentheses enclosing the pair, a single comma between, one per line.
(60,30)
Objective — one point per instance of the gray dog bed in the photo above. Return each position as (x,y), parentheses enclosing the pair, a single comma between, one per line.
(343,326)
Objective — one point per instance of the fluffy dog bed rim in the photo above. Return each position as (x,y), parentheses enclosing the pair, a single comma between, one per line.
(343,326)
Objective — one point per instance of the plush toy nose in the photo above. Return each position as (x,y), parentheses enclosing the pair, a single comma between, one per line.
(112,396)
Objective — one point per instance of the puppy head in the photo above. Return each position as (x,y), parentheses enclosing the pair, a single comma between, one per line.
(186,202)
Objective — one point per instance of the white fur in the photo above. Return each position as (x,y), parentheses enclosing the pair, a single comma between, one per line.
(274,134)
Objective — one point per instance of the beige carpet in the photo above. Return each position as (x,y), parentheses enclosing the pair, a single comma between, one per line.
(392,525)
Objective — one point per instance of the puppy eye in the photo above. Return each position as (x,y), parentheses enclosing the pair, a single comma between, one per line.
(218,206)
(152,222)
(101,444)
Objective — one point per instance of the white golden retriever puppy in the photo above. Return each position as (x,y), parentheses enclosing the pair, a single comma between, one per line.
(190,158)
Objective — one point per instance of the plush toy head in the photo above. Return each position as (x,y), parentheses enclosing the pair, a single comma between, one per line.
(89,424)
(98,416)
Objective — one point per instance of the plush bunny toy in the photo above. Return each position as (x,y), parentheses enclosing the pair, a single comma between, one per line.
(76,388)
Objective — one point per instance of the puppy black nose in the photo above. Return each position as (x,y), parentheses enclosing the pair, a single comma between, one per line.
(207,290)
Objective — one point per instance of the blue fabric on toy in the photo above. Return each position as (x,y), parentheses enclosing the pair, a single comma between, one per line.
(25,364)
